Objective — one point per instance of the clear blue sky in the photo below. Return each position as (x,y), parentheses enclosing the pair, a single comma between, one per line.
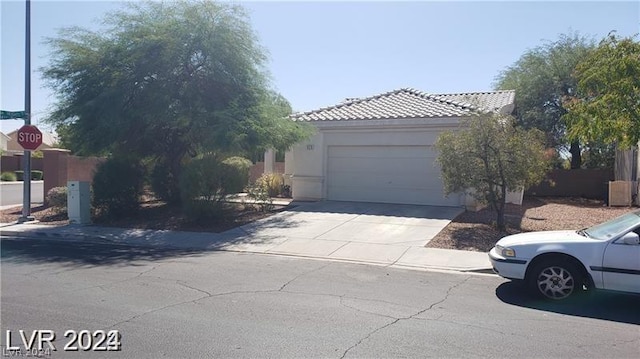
(323,52)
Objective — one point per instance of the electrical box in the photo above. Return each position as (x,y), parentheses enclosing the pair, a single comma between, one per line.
(620,193)
(78,202)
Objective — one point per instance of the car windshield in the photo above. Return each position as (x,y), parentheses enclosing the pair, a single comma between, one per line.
(614,227)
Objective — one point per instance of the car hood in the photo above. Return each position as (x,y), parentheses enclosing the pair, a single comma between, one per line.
(541,238)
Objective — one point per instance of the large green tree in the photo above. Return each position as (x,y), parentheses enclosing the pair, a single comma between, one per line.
(542,78)
(607,104)
(489,156)
(167,80)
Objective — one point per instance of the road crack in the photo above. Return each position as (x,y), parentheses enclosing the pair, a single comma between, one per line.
(396,320)
(207,294)
(302,275)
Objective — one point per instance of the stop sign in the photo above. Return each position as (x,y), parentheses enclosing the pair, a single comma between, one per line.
(29,137)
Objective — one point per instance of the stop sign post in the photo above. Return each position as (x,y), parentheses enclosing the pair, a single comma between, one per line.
(29,137)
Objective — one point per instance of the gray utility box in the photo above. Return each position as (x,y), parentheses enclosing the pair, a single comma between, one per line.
(78,202)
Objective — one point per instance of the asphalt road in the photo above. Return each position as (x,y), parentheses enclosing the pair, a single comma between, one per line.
(181,304)
(11,193)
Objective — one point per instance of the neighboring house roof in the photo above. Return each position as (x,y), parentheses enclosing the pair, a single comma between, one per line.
(409,103)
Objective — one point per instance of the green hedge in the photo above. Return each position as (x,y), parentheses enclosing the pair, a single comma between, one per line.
(8,177)
(205,181)
(36,175)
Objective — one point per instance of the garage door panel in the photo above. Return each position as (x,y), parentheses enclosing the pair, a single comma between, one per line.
(377,166)
(388,181)
(393,174)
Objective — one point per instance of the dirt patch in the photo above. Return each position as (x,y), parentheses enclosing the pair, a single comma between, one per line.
(475,231)
(154,214)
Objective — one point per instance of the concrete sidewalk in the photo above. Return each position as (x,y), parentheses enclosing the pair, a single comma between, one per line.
(410,257)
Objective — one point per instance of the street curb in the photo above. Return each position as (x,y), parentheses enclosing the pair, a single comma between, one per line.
(66,237)
(62,237)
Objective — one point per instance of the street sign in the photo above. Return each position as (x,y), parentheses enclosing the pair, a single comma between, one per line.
(29,137)
(11,115)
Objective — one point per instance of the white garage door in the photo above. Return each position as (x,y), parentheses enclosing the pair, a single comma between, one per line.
(387,174)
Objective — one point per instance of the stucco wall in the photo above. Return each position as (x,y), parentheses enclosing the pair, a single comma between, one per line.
(304,167)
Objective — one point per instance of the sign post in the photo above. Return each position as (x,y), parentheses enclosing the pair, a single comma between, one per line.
(26,180)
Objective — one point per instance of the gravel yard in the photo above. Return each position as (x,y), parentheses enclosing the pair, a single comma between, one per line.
(475,231)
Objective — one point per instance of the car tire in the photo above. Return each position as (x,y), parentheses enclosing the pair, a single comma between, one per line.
(555,280)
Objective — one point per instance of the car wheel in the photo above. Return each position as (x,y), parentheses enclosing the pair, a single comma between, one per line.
(555,280)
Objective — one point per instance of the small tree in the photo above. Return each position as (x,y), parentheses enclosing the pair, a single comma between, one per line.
(607,105)
(542,77)
(488,157)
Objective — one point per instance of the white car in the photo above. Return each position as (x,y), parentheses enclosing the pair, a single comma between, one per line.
(559,264)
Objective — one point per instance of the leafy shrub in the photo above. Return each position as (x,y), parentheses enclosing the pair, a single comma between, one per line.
(235,174)
(205,182)
(117,186)
(272,183)
(7,176)
(37,175)
(57,197)
(164,183)
(261,197)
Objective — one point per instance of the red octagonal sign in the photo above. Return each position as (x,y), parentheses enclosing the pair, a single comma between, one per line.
(29,137)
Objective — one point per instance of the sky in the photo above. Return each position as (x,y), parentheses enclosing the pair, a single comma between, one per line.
(323,52)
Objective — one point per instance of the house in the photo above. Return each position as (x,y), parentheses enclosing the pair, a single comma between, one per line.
(381,148)
(4,140)
(48,141)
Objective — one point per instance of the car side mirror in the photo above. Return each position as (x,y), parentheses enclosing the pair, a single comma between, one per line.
(631,238)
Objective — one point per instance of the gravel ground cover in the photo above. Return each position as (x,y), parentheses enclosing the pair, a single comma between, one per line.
(475,231)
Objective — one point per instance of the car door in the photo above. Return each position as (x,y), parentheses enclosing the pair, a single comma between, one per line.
(621,266)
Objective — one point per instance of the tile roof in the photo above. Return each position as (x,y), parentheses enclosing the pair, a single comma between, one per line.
(408,103)
(491,101)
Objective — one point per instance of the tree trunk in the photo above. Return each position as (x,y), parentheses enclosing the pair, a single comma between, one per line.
(501,222)
(576,156)
(500,206)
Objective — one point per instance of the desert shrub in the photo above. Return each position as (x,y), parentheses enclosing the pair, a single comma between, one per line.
(37,175)
(57,197)
(8,176)
(272,183)
(117,186)
(235,174)
(260,195)
(205,182)
(163,182)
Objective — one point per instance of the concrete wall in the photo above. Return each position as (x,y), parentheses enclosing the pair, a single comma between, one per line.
(587,183)
(14,163)
(60,166)
(82,168)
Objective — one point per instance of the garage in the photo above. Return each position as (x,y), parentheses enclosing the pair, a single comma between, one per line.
(386,174)
(381,148)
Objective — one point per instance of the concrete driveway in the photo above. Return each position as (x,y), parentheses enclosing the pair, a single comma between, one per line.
(370,232)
